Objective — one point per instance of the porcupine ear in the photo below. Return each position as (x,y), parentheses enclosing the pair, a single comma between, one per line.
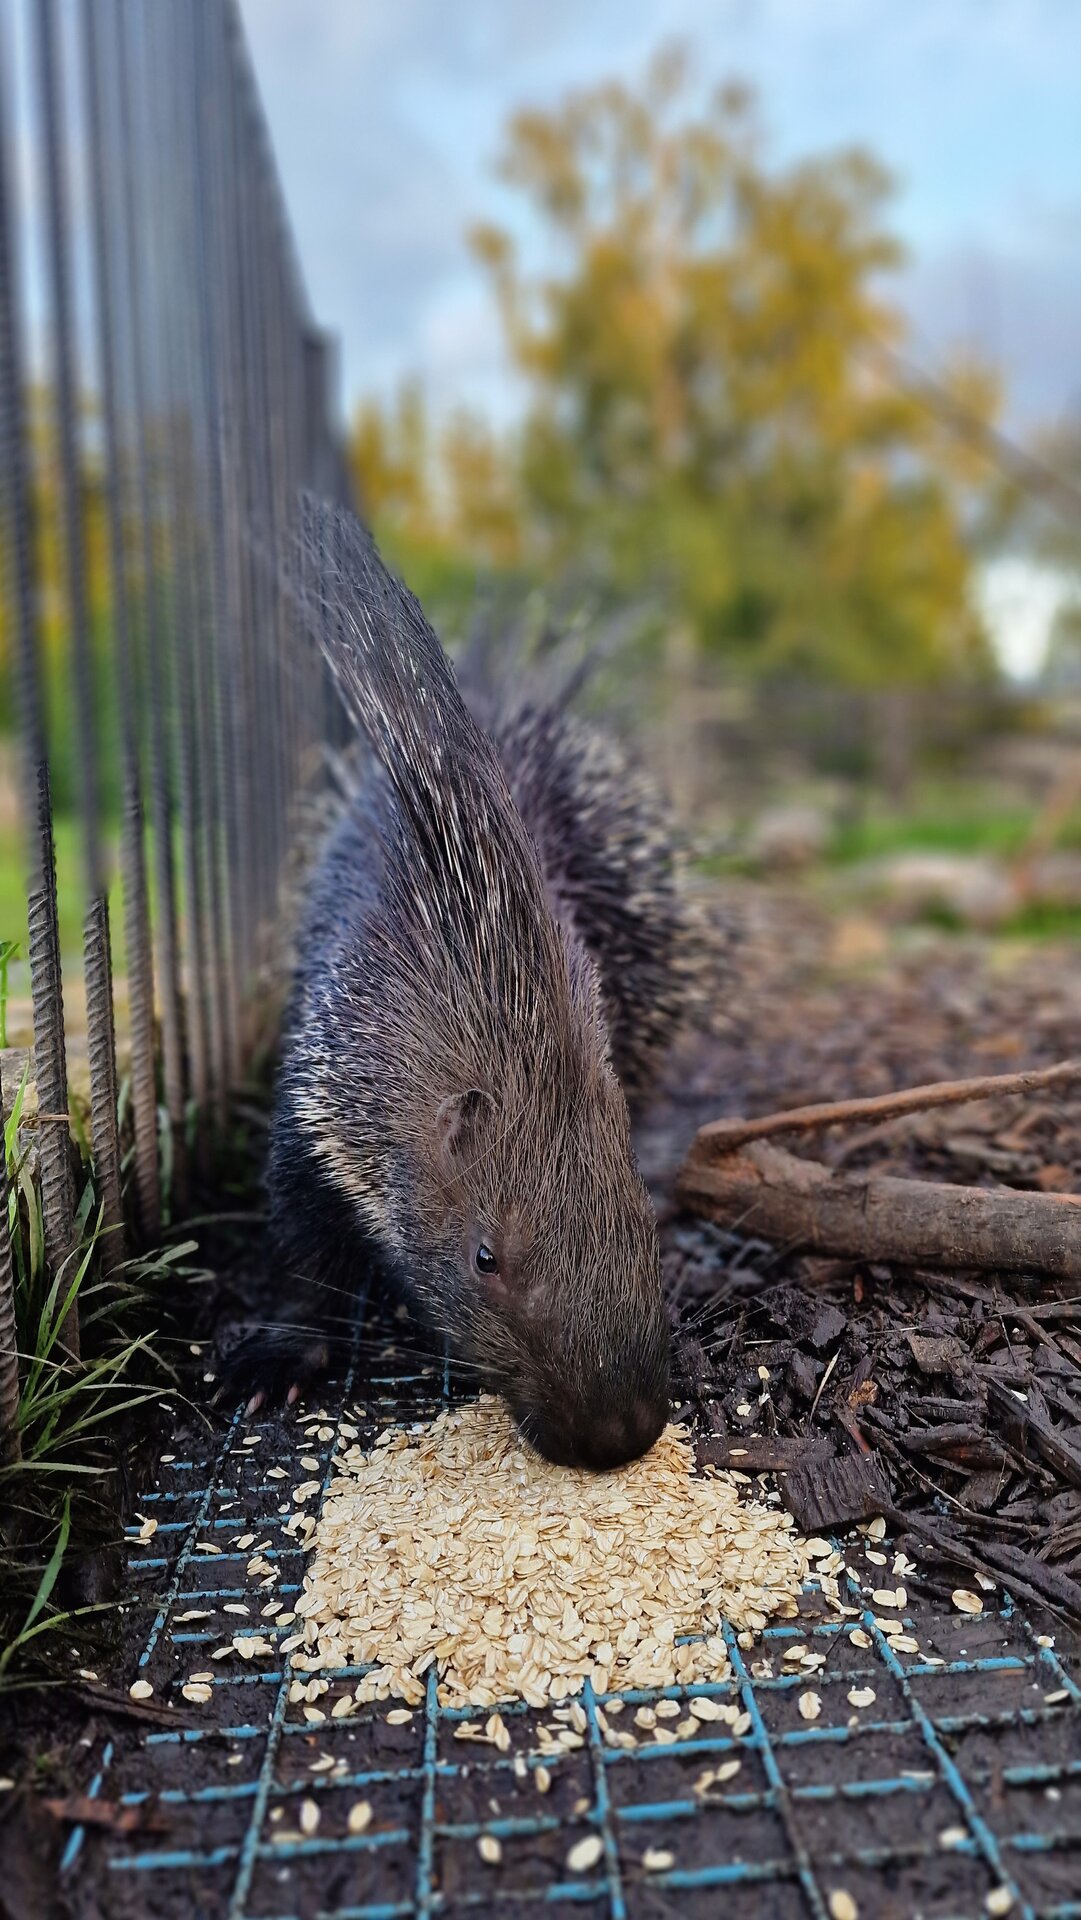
(462,1124)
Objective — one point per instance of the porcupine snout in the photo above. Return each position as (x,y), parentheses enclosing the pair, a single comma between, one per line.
(600,1415)
(599,1442)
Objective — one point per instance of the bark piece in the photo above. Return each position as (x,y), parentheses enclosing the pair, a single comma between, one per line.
(821,1494)
(801,1204)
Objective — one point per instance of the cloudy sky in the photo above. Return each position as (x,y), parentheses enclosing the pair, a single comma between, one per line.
(386,115)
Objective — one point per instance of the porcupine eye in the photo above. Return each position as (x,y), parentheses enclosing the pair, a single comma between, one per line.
(486,1261)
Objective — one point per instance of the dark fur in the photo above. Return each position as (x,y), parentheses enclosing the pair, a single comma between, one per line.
(447,1075)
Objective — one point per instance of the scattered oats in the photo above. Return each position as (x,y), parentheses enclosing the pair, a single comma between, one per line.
(585,1853)
(741,1725)
(359,1818)
(704,1708)
(148,1529)
(842,1906)
(140,1690)
(891,1597)
(343,1707)
(454,1545)
(905,1643)
(6,1784)
(201,1679)
(235,1606)
(314,1716)
(876,1559)
(795,1653)
(193,1613)
(645,1717)
(658,1859)
(667,1709)
(999,1900)
(542,1780)
(276,1473)
(1053,1699)
(309,1817)
(810,1706)
(966,1602)
(490,1850)
(1045,1640)
(860,1638)
(861,1696)
(817,1548)
(743,1409)
(206,1546)
(323,1433)
(952,1837)
(398,1716)
(197,1692)
(306,1490)
(251,1646)
(167,1459)
(727,1770)
(876,1528)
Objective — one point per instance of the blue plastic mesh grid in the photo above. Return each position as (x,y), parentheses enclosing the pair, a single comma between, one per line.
(963,1778)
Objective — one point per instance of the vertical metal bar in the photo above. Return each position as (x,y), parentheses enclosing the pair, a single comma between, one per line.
(138,225)
(220,838)
(235,691)
(137,940)
(50,1056)
(101,1043)
(166,201)
(97,971)
(50,1061)
(10,1437)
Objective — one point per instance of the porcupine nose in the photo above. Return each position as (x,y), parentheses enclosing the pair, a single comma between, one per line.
(597,1439)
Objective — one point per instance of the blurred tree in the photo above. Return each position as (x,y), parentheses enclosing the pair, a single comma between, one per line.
(711,416)
(445,500)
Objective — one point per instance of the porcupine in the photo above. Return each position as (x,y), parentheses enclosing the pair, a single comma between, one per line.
(491,935)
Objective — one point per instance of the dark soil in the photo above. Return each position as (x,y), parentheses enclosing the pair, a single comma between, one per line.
(852,1389)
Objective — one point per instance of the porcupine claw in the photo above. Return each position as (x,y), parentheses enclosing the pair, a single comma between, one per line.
(272,1366)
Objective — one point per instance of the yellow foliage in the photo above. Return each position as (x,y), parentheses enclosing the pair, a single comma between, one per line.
(715,418)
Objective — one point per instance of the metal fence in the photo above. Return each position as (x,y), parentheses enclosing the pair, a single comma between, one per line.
(164,394)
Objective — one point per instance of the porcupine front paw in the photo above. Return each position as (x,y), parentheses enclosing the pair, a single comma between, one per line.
(272,1366)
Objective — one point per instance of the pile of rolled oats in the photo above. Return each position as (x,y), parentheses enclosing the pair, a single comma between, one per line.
(458,1545)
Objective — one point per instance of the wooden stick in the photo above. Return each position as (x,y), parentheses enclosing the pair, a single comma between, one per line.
(802,1204)
(724,1136)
